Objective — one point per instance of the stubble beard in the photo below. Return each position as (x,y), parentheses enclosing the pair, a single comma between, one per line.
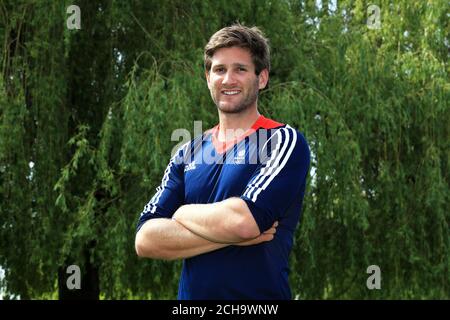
(242,106)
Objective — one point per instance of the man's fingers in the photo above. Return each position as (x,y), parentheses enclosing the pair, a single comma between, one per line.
(270,231)
(266,237)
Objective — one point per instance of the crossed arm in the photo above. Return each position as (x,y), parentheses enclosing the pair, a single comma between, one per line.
(200,228)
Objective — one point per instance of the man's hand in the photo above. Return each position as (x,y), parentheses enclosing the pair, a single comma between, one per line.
(263,237)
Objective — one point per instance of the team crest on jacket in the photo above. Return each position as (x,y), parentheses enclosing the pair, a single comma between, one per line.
(240,157)
(189,166)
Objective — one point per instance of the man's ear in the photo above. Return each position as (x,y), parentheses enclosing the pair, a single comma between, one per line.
(263,78)
(207,77)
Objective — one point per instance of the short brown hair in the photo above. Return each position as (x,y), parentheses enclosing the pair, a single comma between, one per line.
(238,35)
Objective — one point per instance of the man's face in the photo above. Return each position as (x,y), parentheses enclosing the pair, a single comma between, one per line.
(232,80)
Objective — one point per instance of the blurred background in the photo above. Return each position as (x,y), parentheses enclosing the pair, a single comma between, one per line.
(89,99)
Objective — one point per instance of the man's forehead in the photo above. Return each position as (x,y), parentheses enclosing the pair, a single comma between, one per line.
(232,56)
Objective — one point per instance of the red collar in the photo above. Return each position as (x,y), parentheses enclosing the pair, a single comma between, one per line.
(261,122)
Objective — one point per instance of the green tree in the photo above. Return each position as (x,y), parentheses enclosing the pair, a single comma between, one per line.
(86,119)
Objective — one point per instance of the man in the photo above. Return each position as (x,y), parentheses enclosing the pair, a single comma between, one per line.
(230,200)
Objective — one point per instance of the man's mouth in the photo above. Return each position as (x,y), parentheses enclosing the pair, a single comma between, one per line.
(230,92)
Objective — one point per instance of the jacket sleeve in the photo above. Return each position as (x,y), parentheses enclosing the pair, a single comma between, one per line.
(279,178)
(169,194)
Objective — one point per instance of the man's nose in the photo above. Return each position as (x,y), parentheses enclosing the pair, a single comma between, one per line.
(228,78)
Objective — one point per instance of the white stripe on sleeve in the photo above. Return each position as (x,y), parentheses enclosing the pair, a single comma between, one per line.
(151,205)
(273,166)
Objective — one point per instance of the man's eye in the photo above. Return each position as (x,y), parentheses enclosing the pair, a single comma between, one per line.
(242,69)
(220,70)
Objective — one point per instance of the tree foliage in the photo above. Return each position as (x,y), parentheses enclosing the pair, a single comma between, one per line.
(87,116)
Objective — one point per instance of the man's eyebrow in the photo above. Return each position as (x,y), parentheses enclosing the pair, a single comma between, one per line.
(234,65)
(240,65)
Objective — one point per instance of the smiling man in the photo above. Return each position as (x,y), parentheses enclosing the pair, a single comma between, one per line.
(232,219)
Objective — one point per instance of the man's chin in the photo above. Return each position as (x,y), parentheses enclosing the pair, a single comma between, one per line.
(231,108)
